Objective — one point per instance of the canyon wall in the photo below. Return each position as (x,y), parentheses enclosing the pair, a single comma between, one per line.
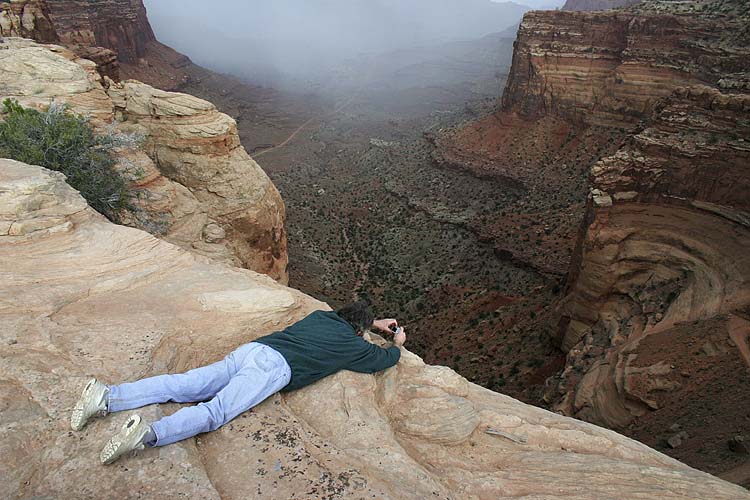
(28,19)
(116,34)
(83,297)
(597,4)
(118,25)
(654,317)
(611,68)
(196,185)
(664,249)
(663,244)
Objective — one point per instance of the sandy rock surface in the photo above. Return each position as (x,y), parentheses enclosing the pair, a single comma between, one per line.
(82,297)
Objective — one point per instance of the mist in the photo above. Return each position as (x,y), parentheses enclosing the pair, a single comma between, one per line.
(319,44)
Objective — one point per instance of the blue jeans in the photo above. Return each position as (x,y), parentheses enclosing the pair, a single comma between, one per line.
(244,378)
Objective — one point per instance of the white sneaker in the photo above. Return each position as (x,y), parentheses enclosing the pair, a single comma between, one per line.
(93,402)
(130,437)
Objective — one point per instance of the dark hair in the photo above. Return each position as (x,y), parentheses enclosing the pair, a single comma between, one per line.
(358,314)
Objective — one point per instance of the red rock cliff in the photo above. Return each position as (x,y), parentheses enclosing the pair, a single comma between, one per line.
(663,257)
(611,68)
(597,4)
(119,25)
(115,34)
(657,315)
(29,19)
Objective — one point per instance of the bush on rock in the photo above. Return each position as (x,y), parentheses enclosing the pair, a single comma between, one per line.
(65,142)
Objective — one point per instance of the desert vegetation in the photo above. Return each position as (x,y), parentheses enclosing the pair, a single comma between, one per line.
(65,142)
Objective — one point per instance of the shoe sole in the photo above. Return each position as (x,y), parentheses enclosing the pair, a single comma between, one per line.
(78,419)
(124,441)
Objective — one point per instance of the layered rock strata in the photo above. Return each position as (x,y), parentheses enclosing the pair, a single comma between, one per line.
(196,185)
(611,68)
(116,34)
(665,246)
(656,313)
(597,4)
(28,19)
(196,146)
(84,297)
(119,25)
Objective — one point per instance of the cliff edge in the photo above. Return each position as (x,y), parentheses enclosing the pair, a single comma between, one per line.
(83,297)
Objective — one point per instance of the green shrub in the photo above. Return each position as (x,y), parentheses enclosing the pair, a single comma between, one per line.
(65,142)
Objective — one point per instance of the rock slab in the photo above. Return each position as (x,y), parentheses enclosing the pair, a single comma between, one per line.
(81,297)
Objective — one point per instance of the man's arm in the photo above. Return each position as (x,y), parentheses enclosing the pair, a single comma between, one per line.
(375,359)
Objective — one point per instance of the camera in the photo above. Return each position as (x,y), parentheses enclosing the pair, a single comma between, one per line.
(394,329)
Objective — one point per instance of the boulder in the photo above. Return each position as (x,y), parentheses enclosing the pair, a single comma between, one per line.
(677,440)
(739,444)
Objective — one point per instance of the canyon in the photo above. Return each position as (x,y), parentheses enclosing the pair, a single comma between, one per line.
(580,246)
(660,263)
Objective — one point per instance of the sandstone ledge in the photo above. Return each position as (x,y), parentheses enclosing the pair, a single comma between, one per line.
(82,297)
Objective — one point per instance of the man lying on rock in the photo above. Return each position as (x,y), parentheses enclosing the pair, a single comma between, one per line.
(317,346)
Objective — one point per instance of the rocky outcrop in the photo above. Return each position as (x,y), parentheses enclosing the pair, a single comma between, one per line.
(84,297)
(597,4)
(611,68)
(37,75)
(665,246)
(118,25)
(196,146)
(27,19)
(115,34)
(197,187)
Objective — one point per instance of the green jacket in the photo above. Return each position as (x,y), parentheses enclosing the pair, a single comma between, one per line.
(324,343)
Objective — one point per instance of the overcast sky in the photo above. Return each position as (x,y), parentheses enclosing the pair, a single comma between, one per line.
(308,37)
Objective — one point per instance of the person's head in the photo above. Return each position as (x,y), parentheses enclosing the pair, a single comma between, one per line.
(359,315)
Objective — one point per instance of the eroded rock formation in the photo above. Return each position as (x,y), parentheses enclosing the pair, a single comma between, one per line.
(84,297)
(196,146)
(28,19)
(666,246)
(119,25)
(197,185)
(611,68)
(657,312)
(116,34)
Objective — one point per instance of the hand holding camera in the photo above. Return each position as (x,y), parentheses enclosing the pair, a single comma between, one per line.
(390,326)
(399,335)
